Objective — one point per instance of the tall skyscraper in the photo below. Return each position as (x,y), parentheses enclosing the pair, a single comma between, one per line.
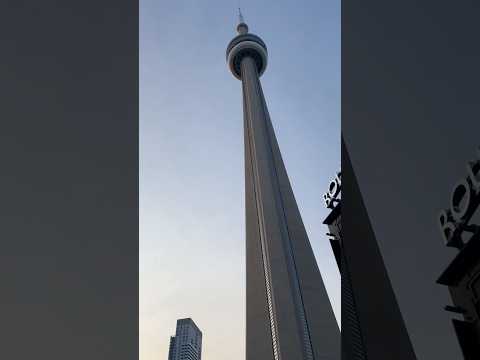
(289,315)
(187,342)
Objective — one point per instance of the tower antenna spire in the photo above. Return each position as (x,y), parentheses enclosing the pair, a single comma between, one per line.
(240,17)
(242,28)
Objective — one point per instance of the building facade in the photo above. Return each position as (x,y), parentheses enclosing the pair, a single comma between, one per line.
(353,346)
(187,342)
(288,312)
(368,299)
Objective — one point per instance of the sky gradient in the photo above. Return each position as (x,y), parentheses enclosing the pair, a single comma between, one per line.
(192,212)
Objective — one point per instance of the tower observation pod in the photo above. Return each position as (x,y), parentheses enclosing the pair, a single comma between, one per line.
(288,312)
(246,46)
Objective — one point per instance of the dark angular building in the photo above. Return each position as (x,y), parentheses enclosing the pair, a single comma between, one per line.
(460,228)
(353,346)
(289,315)
(368,300)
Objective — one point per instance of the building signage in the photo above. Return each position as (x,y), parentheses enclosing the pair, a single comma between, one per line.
(465,199)
(332,197)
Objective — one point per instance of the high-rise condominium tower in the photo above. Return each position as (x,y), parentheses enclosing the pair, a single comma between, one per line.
(289,315)
(187,342)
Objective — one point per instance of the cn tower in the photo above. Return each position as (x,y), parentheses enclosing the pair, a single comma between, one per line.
(289,315)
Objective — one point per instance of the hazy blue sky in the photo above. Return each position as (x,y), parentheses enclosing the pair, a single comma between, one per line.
(192,234)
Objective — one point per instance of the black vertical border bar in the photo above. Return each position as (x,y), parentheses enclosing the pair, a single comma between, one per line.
(411,122)
(69,179)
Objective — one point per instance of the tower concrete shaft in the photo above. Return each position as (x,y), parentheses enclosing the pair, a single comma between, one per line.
(289,315)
